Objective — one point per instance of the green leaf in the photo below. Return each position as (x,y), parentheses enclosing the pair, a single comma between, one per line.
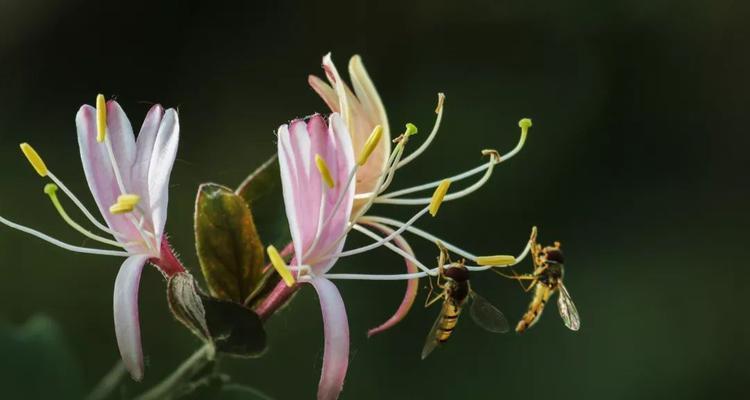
(229,248)
(186,304)
(235,329)
(37,363)
(263,194)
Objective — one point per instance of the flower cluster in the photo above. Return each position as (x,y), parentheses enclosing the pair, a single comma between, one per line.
(333,170)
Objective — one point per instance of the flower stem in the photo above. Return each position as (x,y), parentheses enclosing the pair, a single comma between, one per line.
(275,300)
(109,382)
(168,263)
(186,370)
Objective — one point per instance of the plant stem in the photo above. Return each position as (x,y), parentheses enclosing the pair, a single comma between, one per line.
(189,367)
(277,298)
(109,382)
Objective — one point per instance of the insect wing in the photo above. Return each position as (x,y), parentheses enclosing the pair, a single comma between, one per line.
(487,316)
(568,310)
(432,338)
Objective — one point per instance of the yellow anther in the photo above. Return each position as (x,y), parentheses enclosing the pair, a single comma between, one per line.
(128,199)
(438,196)
(34,159)
(280,266)
(498,261)
(325,173)
(370,145)
(125,204)
(120,208)
(101,118)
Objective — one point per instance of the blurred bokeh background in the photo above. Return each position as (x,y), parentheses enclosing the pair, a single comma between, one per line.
(636,162)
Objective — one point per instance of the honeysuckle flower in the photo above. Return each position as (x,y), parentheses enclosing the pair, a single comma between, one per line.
(129,181)
(318,211)
(318,166)
(363,113)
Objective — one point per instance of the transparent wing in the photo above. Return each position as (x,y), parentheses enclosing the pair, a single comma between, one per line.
(487,316)
(431,342)
(568,310)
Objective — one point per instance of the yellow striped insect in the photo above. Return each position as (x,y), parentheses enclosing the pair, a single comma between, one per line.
(453,280)
(545,280)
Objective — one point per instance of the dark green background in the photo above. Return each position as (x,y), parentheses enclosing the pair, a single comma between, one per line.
(636,162)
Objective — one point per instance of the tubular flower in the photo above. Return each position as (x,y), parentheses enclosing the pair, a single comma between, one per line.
(128,179)
(318,209)
(364,114)
(318,166)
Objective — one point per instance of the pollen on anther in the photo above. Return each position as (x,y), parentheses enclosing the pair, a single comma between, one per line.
(280,266)
(34,159)
(370,145)
(325,173)
(438,196)
(128,199)
(498,260)
(101,118)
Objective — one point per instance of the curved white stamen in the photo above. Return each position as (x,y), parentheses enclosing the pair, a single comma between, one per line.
(391,171)
(392,161)
(115,167)
(61,244)
(387,175)
(423,234)
(386,239)
(123,191)
(484,167)
(319,230)
(339,201)
(147,238)
(452,196)
(51,191)
(81,207)
(393,247)
(415,275)
(428,141)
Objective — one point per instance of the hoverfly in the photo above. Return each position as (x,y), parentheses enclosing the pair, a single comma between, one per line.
(456,292)
(546,279)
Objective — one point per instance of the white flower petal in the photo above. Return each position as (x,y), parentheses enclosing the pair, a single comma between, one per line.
(127,323)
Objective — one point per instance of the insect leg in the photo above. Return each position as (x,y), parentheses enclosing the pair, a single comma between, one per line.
(519,278)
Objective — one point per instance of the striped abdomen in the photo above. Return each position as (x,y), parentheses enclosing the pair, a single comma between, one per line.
(541,295)
(448,319)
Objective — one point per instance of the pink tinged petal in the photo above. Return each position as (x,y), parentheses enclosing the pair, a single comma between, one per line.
(334,145)
(288,172)
(411,286)
(127,324)
(144,149)
(361,120)
(325,91)
(99,172)
(304,189)
(120,133)
(160,168)
(336,330)
(373,113)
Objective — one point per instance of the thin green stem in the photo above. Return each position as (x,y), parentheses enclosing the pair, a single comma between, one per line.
(187,369)
(109,382)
